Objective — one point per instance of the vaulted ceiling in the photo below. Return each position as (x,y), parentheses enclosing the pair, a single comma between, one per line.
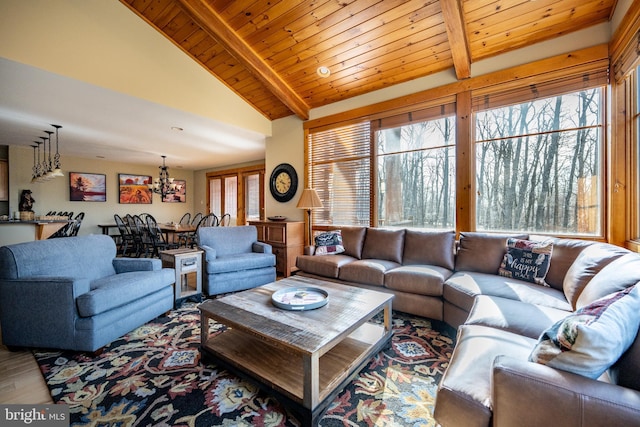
(269,52)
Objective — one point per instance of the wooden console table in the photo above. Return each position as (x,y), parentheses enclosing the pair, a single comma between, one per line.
(287,240)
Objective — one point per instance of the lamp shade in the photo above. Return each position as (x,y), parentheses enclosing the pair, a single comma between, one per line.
(309,199)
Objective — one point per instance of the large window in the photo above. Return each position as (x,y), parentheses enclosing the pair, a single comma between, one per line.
(520,150)
(416,174)
(237,192)
(539,165)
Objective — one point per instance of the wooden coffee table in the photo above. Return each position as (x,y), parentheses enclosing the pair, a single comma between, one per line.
(304,358)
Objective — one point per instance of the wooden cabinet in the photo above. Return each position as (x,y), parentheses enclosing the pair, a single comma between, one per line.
(287,240)
(4,180)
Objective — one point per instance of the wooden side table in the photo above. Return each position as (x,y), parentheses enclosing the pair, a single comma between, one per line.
(286,239)
(185,261)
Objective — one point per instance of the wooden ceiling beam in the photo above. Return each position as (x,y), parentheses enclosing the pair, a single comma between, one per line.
(458,40)
(209,20)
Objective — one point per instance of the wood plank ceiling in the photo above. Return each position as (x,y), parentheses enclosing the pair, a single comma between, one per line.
(268,52)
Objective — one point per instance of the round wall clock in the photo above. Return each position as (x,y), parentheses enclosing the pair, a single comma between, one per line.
(284,182)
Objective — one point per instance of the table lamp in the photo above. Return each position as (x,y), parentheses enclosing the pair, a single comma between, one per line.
(309,200)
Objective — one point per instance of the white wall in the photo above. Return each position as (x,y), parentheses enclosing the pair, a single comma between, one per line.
(286,146)
(103,43)
(54,194)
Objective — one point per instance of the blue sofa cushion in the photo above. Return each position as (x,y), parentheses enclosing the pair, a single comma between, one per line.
(240,262)
(69,257)
(228,240)
(113,291)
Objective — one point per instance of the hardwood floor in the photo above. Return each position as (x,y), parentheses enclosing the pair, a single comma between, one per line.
(20,378)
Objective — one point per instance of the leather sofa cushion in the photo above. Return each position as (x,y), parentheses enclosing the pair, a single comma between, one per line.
(565,252)
(353,240)
(464,394)
(462,287)
(429,248)
(326,266)
(239,262)
(383,244)
(366,271)
(590,261)
(616,276)
(482,252)
(417,279)
(521,318)
(114,291)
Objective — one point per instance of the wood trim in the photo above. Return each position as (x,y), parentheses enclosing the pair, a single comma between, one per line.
(617,179)
(539,71)
(623,38)
(465,165)
(458,40)
(217,28)
(240,174)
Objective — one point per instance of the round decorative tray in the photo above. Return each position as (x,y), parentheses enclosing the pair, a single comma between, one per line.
(300,298)
(276,218)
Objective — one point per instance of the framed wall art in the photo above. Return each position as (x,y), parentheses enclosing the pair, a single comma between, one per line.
(133,189)
(180,196)
(87,187)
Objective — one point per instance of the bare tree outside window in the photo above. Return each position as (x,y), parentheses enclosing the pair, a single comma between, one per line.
(539,167)
(416,175)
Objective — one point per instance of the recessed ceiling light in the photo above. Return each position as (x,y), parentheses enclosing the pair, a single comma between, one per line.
(176,128)
(323,71)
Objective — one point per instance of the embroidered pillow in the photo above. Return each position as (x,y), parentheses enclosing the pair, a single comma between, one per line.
(526,260)
(593,338)
(329,243)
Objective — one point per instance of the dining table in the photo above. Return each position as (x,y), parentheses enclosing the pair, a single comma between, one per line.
(170,230)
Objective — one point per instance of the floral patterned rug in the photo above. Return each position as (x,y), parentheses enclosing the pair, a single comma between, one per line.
(154,377)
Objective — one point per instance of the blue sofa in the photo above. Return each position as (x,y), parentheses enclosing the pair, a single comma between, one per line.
(74,294)
(234,259)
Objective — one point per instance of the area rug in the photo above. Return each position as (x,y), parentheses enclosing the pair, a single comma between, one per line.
(154,377)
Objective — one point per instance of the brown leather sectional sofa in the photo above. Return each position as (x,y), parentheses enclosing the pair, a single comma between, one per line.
(489,380)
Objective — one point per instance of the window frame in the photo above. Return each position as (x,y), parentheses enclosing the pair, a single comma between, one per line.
(554,69)
(549,90)
(240,174)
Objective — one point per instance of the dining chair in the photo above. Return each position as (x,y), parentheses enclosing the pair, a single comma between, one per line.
(64,231)
(126,237)
(157,238)
(190,239)
(77,222)
(225,220)
(186,219)
(140,233)
(212,220)
(196,218)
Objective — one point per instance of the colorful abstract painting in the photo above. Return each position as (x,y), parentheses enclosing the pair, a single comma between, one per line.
(134,189)
(87,187)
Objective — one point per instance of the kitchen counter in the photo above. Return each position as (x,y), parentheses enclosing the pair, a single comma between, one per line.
(15,231)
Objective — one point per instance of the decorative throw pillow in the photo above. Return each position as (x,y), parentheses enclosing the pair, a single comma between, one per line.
(329,243)
(593,338)
(526,260)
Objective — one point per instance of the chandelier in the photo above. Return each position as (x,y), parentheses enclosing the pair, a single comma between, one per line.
(49,168)
(164,184)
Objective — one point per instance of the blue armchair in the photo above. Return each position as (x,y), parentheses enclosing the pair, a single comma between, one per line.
(234,259)
(74,294)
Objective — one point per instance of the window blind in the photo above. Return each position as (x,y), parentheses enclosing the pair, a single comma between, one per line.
(339,162)
(522,91)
